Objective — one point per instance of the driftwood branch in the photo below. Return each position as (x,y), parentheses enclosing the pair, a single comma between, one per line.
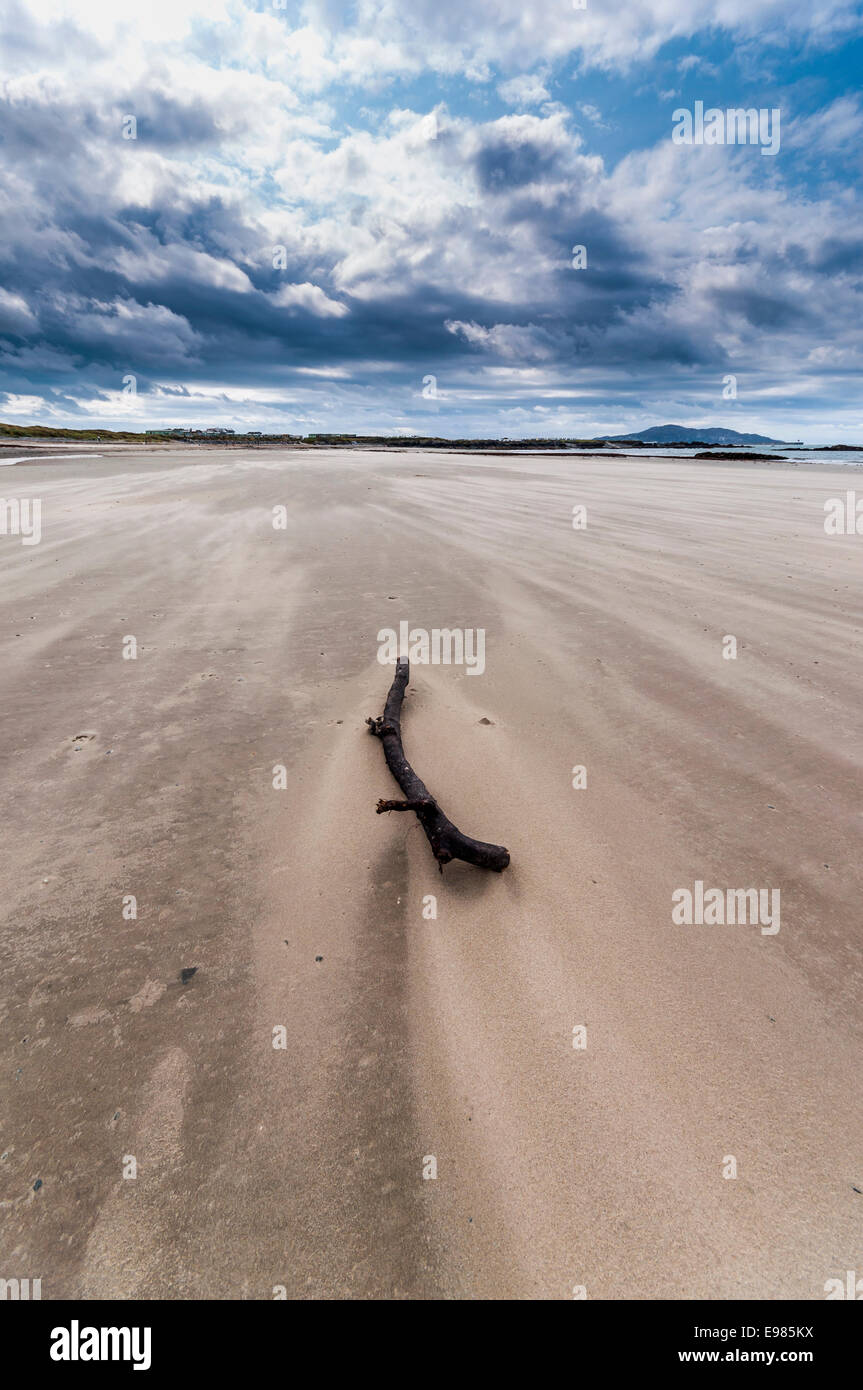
(446,839)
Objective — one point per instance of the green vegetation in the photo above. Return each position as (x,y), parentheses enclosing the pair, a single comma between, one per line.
(174,436)
(44,432)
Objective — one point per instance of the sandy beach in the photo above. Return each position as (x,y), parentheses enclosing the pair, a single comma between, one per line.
(408,1037)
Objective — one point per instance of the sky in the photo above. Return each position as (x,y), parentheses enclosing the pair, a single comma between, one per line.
(301,217)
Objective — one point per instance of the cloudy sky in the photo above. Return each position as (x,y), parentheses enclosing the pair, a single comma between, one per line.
(326,216)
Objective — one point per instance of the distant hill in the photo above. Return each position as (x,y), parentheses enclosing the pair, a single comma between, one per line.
(682,434)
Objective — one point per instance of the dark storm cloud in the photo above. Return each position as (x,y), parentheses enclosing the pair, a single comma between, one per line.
(505,165)
(760,309)
(408,255)
(165,122)
(839,256)
(111,321)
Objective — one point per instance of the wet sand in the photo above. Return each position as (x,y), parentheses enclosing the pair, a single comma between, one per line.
(302,1167)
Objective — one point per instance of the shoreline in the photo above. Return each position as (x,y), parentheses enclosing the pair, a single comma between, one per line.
(188,452)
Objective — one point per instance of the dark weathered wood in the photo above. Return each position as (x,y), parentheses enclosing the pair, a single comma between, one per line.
(446,839)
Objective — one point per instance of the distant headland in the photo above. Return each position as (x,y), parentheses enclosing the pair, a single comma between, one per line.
(667,436)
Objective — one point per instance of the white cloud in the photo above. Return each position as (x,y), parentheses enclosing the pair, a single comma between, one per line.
(524,90)
(151,262)
(425,217)
(16,316)
(593,114)
(150,333)
(14,404)
(522,343)
(312,299)
(479,34)
(837,127)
